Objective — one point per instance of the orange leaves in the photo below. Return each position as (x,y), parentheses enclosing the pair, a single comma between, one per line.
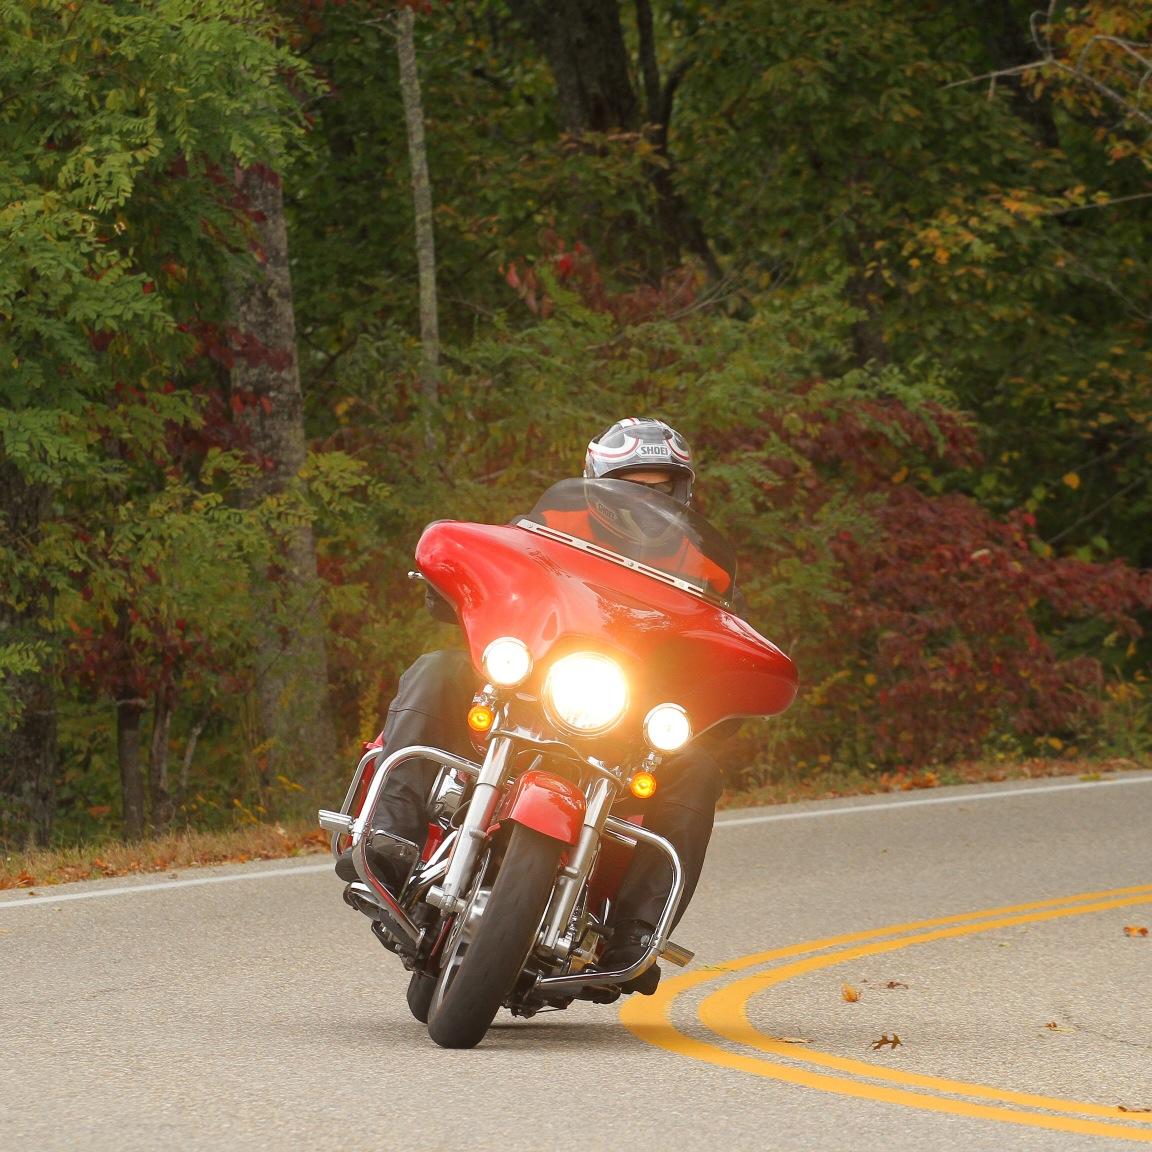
(904,781)
(163,854)
(886,1041)
(1135,930)
(851,995)
(1025,209)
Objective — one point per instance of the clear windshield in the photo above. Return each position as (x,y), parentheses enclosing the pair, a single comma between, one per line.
(636,525)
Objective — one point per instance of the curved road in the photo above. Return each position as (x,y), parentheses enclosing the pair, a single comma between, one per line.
(993,931)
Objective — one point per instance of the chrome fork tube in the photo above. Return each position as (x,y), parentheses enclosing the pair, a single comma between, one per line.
(474,828)
(572,878)
(659,942)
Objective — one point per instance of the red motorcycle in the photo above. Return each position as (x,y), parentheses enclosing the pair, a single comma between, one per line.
(602,630)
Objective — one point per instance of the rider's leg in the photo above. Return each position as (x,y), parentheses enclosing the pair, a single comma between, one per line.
(430,707)
(682,811)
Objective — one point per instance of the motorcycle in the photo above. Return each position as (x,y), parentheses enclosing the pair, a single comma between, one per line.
(602,629)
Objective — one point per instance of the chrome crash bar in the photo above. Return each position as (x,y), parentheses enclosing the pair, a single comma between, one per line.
(342,823)
(659,943)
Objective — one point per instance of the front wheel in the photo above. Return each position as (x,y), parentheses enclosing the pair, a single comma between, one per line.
(481,966)
(420,991)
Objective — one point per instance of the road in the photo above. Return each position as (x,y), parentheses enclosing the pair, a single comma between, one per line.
(982,926)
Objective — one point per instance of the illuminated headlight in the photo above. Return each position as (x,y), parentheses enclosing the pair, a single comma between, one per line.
(586,693)
(507,662)
(667,728)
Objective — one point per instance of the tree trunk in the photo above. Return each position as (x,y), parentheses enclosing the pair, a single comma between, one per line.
(293,669)
(1006,27)
(868,343)
(186,759)
(160,797)
(128,713)
(584,44)
(425,236)
(28,750)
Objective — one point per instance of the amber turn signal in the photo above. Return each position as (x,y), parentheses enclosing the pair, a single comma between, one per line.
(480,718)
(642,785)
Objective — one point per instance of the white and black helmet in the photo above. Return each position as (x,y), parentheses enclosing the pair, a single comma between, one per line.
(639,444)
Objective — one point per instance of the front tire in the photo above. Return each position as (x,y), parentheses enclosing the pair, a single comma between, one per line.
(479,973)
(420,991)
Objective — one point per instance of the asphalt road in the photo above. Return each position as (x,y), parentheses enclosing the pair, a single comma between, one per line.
(981,927)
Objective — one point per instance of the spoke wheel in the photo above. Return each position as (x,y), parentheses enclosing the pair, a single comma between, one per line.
(494,936)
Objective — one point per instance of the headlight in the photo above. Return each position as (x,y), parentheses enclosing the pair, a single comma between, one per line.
(507,662)
(586,693)
(667,728)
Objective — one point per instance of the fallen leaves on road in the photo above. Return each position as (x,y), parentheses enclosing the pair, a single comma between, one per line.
(1052,1026)
(1135,930)
(895,984)
(162,854)
(1123,1109)
(904,781)
(790,1040)
(886,1041)
(850,994)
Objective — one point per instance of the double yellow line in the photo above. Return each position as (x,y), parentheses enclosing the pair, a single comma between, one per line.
(724,1013)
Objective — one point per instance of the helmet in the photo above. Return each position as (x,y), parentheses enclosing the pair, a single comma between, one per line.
(641,444)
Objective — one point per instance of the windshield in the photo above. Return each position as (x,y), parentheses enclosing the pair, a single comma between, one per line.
(640,528)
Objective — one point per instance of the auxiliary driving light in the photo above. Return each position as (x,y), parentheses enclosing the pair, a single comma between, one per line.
(586,693)
(507,662)
(667,728)
(642,785)
(480,718)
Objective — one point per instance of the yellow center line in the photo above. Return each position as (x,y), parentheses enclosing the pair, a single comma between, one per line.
(724,1012)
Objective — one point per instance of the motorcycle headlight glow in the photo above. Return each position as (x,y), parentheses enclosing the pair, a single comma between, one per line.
(667,728)
(586,693)
(507,662)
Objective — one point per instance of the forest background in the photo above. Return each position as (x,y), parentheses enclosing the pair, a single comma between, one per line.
(282,282)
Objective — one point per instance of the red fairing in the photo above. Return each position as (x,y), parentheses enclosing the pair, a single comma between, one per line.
(674,646)
(546,803)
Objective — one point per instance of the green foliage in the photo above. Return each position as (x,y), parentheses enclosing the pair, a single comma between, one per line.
(920,390)
(117,233)
(16,660)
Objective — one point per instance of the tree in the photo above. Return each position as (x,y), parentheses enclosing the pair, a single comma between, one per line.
(112,122)
(585,46)
(422,211)
(292,670)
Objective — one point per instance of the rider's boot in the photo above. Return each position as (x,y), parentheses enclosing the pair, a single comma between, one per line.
(389,856)
(629,942)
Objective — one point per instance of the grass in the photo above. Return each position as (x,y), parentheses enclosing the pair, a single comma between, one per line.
(188,849)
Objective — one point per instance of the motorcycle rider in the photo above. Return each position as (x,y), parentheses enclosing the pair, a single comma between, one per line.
(434,695)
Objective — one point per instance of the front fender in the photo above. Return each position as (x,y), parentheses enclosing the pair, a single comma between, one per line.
(547,803)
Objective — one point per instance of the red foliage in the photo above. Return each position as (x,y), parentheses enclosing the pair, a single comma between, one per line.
(954,626)
(577,269)
(952,622)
